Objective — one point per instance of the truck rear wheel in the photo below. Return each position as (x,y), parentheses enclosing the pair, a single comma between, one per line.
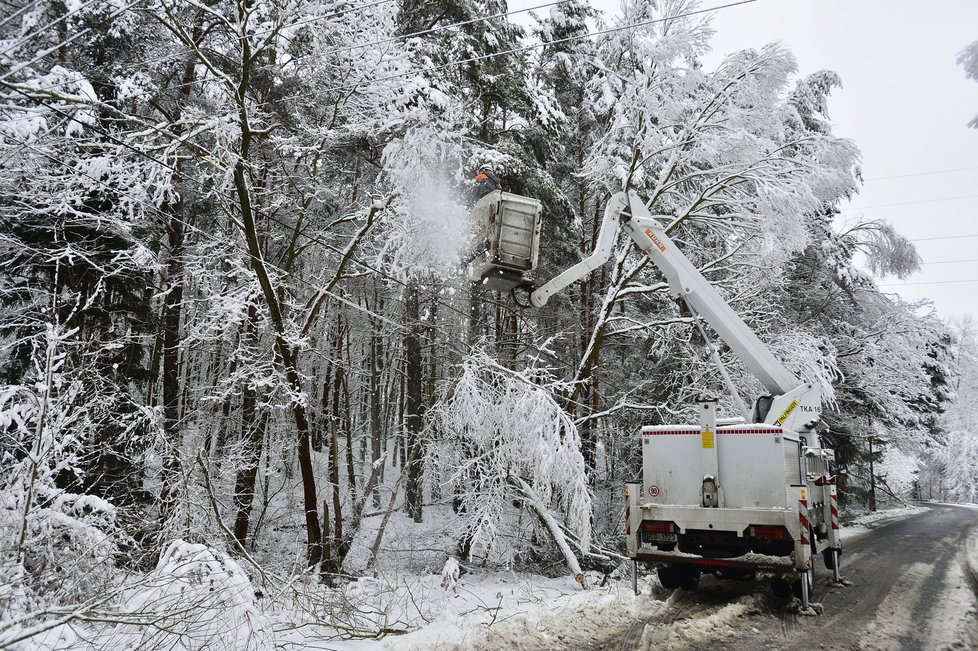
(668,577)
(781,588)
(784,589)
(678,576)
(797,585)
(827,557)
(689,578)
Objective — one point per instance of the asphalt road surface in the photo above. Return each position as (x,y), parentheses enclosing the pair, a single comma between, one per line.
(912,587)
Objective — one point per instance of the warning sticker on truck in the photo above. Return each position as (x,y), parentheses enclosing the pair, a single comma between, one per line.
(708,439)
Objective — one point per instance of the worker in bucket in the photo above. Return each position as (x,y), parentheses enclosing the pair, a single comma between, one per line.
(486,181)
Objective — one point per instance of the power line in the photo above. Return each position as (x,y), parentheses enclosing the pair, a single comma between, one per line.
(932,282)
(484,56)
(912,174)
(340,50)
(40,30)
(952,261)
(493,55)
(543,44)
(942,237)
(910,203)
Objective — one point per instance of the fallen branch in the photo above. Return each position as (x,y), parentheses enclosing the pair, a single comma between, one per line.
(551,524)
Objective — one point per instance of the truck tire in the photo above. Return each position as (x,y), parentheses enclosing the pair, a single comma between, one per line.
(670,577)
(827,557)
(781,588)
(796,586)
(689,578)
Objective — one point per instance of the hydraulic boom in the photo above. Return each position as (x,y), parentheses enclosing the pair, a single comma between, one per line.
(793,404)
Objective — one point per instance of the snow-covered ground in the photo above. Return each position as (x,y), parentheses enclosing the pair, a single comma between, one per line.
(436,605)
(506,611)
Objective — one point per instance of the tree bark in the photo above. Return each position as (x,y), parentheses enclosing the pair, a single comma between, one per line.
(253,426)
(173,303)
(287,357)
(413,403)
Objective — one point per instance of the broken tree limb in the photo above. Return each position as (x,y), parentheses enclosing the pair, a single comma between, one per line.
(556,532)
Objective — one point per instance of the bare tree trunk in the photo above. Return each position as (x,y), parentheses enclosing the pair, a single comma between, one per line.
(287,355)
(253,428)
(347,412)
(399,442)
(173,303)
(172,310)
(413,403)
(375,438)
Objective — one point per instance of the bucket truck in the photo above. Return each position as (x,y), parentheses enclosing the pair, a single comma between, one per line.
(739,497)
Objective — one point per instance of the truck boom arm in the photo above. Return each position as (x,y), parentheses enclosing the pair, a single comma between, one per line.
(627,210)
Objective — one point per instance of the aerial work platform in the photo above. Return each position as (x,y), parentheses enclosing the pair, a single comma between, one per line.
(507,240)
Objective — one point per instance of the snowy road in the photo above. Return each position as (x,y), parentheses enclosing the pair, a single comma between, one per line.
(914,585)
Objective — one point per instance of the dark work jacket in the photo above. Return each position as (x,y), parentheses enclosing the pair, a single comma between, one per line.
(486,182)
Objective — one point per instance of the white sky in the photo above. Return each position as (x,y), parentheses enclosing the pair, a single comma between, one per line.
(904,101)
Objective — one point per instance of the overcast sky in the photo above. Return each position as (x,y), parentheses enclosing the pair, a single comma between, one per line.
(904,101)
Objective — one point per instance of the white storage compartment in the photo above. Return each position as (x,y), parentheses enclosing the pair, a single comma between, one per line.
(752,462)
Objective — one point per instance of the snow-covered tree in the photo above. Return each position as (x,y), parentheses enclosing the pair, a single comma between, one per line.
(968,59)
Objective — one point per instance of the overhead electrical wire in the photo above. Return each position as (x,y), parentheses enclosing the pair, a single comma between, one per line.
(932,282)
(952,261)
(912,174)
(909,203)
(40,30)
(493,55)
(542,44)
(54,48)
(942,237)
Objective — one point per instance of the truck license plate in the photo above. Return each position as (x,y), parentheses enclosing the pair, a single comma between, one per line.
(658,537)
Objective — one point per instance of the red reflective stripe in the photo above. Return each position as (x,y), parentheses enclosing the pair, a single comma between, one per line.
(689,432)
(774,432)
(803,519)
(684,432)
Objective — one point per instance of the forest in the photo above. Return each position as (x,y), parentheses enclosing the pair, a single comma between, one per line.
(238,346)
